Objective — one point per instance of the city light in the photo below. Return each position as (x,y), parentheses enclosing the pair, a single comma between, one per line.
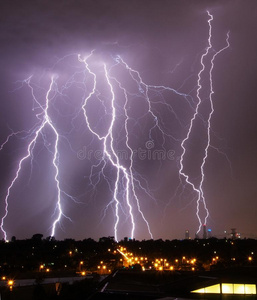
(10,282)
(159,264)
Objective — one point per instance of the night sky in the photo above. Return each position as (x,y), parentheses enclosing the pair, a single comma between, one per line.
(164,42)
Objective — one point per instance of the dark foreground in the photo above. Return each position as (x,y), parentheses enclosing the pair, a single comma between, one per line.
(131,284)
(128,284)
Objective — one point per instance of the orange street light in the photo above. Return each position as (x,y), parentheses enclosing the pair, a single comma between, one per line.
(10,282)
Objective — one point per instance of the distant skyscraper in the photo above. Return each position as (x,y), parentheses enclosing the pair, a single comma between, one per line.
(187,235)
(234,234)
(204,232)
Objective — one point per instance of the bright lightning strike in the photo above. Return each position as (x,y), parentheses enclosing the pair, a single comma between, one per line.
(123,174)
(45,121)
(199,189)
(131,175)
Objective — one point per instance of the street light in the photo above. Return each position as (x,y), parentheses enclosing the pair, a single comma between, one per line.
(10,284)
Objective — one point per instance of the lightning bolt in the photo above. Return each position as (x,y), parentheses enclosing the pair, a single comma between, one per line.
(45,121)
(123,174)
(109,152)
(209,126)
(130,172)
(199,189)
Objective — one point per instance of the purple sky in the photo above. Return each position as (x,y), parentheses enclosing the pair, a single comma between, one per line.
(164,41)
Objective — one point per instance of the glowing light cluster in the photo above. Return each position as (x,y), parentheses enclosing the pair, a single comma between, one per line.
(159,264)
